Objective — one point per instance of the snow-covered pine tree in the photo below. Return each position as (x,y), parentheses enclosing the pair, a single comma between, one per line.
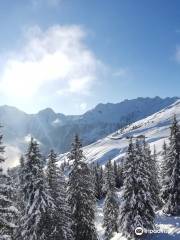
(21,182)
(109,177)
(81,195)
(98,179)
(155,176)
(165,148)
(118,175)
(111,207)
(101,177)
(8,211)
(150,162)
(64,164)
(163,166)
(136,209)
(39,206)
(171,181)
(155,165)
(14,193)
(57,189)
(21,170)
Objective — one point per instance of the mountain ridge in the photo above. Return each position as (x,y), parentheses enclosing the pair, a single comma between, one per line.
(174,98)
(156,129)
(56,130)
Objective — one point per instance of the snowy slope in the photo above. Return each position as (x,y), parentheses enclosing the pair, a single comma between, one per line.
(55,130)
(167,227)
(155,128)
(127,110)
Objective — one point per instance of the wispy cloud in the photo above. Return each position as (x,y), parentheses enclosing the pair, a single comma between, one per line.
(58,57)
(121,72)
(12,157)
(83,106)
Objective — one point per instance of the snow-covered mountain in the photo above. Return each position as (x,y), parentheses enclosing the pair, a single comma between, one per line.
(156,129)
(55,130)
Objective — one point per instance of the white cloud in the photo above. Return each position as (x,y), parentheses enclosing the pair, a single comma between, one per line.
(12,157)
(56,57)
(83,106)
(28,138)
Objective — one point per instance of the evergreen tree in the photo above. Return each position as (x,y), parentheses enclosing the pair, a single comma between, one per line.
(163,166)
(98,179)
(171,173)
(101,180)
(109,177)
(64,164)
(165,148)
(81,195)
(57,189)
(153,174)
(111,208)
(39,206)
(137,206)
(14,193)
(118,175)
(21,182)
(8,211)
(21,170)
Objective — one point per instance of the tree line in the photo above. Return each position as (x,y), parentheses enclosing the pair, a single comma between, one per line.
(42,200)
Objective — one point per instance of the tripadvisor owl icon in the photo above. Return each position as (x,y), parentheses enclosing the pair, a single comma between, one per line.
(139,231)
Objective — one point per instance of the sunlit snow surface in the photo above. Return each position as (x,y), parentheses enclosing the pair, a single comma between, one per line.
(156,129)
(169,227)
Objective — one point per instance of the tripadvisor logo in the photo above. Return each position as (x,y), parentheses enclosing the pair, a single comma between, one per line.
(139,231)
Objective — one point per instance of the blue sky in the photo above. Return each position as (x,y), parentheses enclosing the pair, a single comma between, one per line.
(72,54)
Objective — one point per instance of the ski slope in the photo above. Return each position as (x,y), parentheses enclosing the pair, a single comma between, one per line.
(156,129)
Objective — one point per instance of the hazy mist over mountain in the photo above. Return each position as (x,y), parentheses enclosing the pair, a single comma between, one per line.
(56,130)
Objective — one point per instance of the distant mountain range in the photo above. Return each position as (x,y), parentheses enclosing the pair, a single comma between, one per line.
(56,130)
(155,128)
